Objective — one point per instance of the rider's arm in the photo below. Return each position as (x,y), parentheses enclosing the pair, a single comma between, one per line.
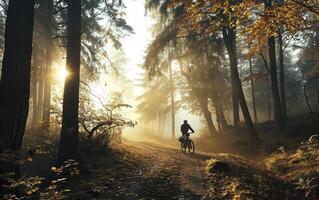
(191,129)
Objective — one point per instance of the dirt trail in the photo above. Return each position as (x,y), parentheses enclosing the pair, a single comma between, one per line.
(147,171)
(187,168)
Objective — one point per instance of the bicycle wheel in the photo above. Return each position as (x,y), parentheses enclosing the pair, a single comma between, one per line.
(191,146)
(183,147)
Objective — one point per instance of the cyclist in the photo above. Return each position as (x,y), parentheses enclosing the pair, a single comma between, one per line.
(185,127)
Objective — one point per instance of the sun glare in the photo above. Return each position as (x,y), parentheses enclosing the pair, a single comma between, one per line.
(62,73)
(175,65)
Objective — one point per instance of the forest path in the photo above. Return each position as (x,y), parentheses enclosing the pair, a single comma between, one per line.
(179,169)
(146,171)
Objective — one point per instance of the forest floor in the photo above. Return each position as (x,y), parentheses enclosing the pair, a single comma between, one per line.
(138,170)
(159,170)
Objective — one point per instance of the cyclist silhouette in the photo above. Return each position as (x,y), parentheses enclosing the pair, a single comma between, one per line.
(185,127)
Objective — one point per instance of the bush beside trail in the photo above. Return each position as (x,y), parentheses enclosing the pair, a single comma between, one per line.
(234,177)
(300,166)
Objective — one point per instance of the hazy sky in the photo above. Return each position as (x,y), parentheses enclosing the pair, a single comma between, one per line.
(136,44)
(135,47)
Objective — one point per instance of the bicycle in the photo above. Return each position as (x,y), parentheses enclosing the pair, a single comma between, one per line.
(187,144)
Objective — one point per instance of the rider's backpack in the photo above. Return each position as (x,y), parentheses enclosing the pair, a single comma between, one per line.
(184,128)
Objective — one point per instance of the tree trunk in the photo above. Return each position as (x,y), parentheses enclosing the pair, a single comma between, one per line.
(34,89)
(235,105)
(282,77)
(235,101)
(48,69)
(208,117)
(41,87)
(268,89)
(202,103)
(274,82)
(215,93)
(252,85)
(204,107)
(172,99)
(68,148)
(222,122)
(268,98)
(222,118)
(15,77)
(307,98)
(273,76)
(229,36)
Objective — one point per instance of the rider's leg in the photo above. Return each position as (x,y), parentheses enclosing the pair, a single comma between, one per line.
(187,138)
(184,136)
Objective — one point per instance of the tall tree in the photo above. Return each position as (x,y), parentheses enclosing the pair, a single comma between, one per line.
(172,97)
(252,85)
(155,101)
(219,18)
(34,89)
(68,148)
(268,97)
(229,36)
(3,14)
(41,85)
(214,56)
(38,62)
(15,74)
(274,16)
(200,93)
(282,76)
(48,68)
(273,75)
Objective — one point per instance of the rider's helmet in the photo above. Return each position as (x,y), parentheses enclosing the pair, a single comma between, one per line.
(185,121)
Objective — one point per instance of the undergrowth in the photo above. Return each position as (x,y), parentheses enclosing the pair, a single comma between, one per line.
(300,167)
